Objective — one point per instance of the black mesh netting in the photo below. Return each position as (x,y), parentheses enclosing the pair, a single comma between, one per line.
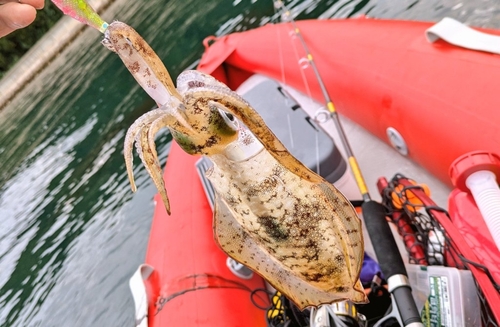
(431,239)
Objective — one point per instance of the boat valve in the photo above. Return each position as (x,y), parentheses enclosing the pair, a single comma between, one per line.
(397,141)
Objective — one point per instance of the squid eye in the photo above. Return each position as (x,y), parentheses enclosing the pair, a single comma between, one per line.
(228,118)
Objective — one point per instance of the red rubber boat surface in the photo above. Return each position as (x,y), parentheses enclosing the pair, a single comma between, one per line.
(191,284)
(441,98)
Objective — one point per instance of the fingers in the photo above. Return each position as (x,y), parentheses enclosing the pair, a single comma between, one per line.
(37,4)
(14,16)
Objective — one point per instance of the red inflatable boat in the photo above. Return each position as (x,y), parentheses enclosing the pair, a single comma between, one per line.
(382,74)
(186,280)
(438,100)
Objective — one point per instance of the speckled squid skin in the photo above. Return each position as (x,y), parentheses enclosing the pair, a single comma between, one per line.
(301,236)
(271,212)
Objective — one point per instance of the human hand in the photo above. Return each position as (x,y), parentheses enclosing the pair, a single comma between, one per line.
(16,14)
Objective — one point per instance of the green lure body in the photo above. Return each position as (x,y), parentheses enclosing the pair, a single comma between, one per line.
(82,12)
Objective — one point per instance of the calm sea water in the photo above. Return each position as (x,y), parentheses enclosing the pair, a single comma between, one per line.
(71,231)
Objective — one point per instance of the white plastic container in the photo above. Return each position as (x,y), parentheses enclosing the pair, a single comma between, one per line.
(445,296)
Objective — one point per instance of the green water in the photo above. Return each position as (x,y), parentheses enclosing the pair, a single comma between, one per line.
(71,231)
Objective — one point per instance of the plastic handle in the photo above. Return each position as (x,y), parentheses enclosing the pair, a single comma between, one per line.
(385,246)
(390,260)
(486,193)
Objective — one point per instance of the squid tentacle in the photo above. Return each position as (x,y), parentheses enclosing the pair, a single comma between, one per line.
(149,158)
(132,132)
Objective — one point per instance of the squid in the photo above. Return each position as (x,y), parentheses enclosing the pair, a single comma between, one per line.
(271,212)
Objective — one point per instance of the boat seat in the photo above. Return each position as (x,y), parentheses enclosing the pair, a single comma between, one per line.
(461,35)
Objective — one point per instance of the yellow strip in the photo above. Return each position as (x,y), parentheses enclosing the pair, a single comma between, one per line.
(309,57)
(277,309)
(357,175)
(297,31)
(330,106)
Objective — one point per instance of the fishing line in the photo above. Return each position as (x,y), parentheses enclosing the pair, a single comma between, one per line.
(290,130)
(317,153)
(297,57)
(353,164)
(390,260)
(303,65)
(280,56)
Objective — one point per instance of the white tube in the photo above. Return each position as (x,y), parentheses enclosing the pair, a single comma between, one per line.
(486,193)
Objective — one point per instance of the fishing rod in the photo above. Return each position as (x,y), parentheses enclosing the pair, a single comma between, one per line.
(353,163)
(390,260)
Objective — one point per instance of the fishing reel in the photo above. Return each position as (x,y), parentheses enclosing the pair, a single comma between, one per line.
(339,314)
(379,312)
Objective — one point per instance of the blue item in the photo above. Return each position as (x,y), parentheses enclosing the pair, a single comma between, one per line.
(369,269)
